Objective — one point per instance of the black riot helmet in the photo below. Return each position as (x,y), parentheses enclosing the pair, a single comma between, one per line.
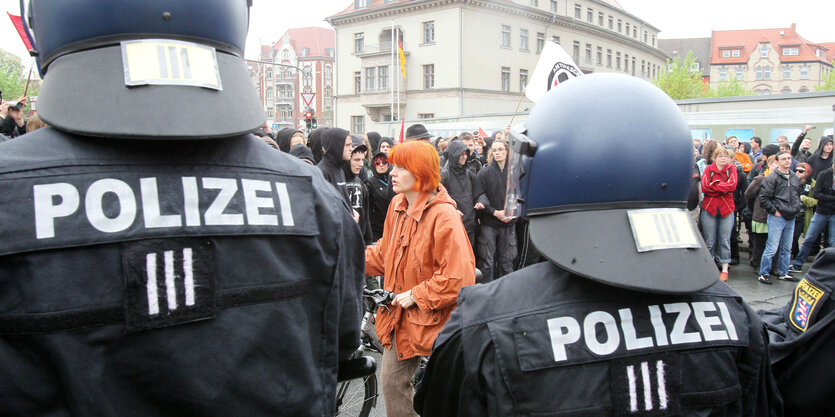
(150,69)
(602,170)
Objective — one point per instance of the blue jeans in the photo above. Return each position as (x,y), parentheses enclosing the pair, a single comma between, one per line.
(717,233)
(780,233)
(815,228)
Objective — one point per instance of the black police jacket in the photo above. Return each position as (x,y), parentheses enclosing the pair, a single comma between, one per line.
(151,278)
(543,342)
(802,335)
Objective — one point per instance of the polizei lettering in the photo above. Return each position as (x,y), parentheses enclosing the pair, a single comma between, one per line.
(112,205)
(602,333)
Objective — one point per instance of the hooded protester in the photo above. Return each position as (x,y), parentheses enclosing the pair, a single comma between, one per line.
(283,139)
(354,171)
(821,160)
(459,183)
(378,193)
(336,143)
(801,145)
(314,142)
(384,146)
(303,153)
(373,140)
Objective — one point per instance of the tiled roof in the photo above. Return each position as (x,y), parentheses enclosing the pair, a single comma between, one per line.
(318,40)
(747,42)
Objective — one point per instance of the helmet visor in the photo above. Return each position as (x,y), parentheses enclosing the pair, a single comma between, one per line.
(521,149)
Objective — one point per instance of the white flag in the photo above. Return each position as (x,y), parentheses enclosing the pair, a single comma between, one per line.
(555,66)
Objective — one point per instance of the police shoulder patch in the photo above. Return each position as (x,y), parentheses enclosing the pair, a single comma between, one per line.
(807,297)
(168,282)
(646,385)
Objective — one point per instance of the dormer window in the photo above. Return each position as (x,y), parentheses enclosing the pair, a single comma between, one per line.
(735,53)
(764,51)
(790,51)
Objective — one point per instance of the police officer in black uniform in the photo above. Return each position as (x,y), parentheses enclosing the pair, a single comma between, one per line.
(627,317)
(157,258)
(802,335)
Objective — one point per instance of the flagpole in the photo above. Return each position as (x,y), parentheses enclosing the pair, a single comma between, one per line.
(391,87)
(517,105)
(398,81)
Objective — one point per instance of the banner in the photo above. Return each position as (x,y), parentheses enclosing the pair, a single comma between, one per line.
(18,24)
(555,66)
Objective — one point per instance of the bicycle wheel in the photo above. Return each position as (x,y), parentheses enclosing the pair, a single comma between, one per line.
(356,397)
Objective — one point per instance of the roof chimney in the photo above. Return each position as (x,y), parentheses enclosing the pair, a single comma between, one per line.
(794,29)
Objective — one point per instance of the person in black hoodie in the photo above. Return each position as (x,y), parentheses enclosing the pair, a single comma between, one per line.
(822,159)
(354,171)
(314,142)
(373,140)
(459,183)
(336,145)
(496,242)
(378,193)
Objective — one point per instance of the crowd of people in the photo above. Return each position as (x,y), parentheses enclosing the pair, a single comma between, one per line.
(779,192)
(472,169)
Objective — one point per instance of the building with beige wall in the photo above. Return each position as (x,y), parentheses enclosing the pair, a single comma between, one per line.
(471,57)
(770,61)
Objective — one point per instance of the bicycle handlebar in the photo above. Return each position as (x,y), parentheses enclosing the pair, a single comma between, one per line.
(380,297)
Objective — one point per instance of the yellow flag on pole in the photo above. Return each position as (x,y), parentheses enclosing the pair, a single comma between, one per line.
(402,57)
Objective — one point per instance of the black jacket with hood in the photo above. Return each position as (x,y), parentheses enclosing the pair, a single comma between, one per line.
(379,198)
(797,154)
(314,142)
(333,140)
(358,195)
(283,139)
(460,183)
(490,189)
(824,193)
(817,162)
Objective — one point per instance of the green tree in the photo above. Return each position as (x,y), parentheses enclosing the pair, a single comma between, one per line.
(680,81)
(828,82)
(11,75)
(730,88)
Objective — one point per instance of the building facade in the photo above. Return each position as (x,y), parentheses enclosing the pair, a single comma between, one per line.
(471,57)
(700,47)
(770,61)
(302,61)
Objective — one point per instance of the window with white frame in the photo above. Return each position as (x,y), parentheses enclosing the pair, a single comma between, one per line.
(383,76)
(735,53)
(804,72)
(328,73)
(554,6)
(429,76)
(786,90)
(269,73)
(535,3)
(505,36)
(609,58)
(576,51)
(790,51)
(269,94)
(625,62)
(505,78)
(357,82)
(589,15)
(627,29)
(599,55)
(523,39)
(617,60)
(723,74)
(787,72)
(540,41)
(358,124)
(600,18)
(578,11)
(523,79)
(695,67)
(758,73)
(429,31)
(764,51)
(271,113)
(370,79)
(359,42)
(726,53)
(740,72)
(611,22)
(767,72)
(426,115)
(588,53)
(620,26)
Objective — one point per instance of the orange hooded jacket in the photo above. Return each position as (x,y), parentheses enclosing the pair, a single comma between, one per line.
(425,249)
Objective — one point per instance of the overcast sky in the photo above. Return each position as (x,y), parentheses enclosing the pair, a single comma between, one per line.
(815,19)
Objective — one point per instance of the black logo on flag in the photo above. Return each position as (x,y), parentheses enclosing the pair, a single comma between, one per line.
(560,73)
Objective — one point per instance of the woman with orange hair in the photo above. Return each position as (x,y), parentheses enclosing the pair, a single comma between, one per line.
(426,258)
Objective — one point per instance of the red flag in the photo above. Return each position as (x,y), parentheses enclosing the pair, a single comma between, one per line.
(18,24)
(482,132)
(402,129)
